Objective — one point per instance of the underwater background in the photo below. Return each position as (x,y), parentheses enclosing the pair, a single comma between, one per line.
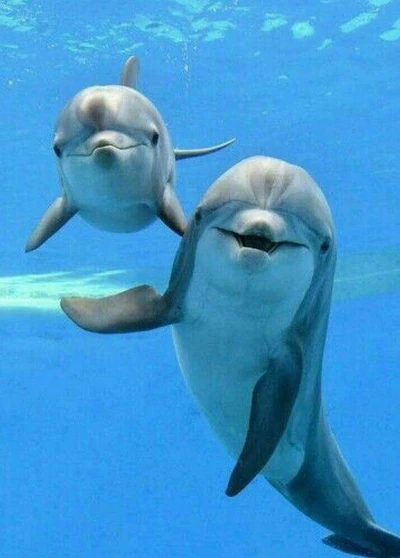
(103,452)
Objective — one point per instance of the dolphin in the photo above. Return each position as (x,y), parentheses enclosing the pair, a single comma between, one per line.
(116,162)
(248,300)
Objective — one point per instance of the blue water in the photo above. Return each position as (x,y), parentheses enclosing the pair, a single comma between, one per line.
(103,452)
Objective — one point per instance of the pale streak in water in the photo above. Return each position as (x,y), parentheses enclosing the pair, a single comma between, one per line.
(366,273)
(357,275)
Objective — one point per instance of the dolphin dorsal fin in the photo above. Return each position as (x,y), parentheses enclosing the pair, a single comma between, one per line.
(187,153)
(130,71)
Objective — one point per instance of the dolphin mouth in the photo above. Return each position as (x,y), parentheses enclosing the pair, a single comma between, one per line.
(104,144)
(252,240)
(258,241)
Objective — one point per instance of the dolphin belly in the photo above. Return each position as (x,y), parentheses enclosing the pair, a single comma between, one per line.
(222,392)
(222,353)
(120,218)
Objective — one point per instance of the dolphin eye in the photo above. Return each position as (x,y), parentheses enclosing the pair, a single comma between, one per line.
(57,150)
(154,138)
(325,246)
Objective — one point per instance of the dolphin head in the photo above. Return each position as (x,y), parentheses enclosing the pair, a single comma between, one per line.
(114,157)
(249,251)
(265,232)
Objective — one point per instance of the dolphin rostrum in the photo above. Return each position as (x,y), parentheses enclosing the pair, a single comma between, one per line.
(248,300)
(116,162)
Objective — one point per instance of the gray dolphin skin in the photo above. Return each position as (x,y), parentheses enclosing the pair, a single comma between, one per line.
(248,300)
(116,162)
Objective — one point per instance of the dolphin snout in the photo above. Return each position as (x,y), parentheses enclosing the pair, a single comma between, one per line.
(111,138)
(109,141)
(105,157)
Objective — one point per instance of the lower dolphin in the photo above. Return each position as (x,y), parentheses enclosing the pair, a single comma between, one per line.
(248,300)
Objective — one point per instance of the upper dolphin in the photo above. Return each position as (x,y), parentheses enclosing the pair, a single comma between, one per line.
(249,300)
(116,162)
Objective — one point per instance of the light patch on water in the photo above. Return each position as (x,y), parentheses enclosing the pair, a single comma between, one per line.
(15,15)
(178,32)
(359,21)
(10,46)
(158,29)
(325,44)
(185,21)
(79,46)
(393,34)
(273,21)
(43,291)
(212,30)
(117,38)
(302,29)
(195,6)
(367,274)
(379,3)
(15,23)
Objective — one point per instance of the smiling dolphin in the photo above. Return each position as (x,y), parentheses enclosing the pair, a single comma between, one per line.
(116,162)
(249,299)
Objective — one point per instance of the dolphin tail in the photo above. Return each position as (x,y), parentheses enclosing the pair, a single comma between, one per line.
(55,217)
(325,490)
(187,153)
(383,543)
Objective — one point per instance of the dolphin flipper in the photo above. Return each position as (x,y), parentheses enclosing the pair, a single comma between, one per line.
(273,398)
(130,72)
(137,309)
(59,213)
(187,153)
(170,212)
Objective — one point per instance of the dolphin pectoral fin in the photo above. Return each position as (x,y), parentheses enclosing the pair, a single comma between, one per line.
(272,402)
(345,545)
(130,72)
(171,213)
(137,309)
(59,213)
(187,153)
